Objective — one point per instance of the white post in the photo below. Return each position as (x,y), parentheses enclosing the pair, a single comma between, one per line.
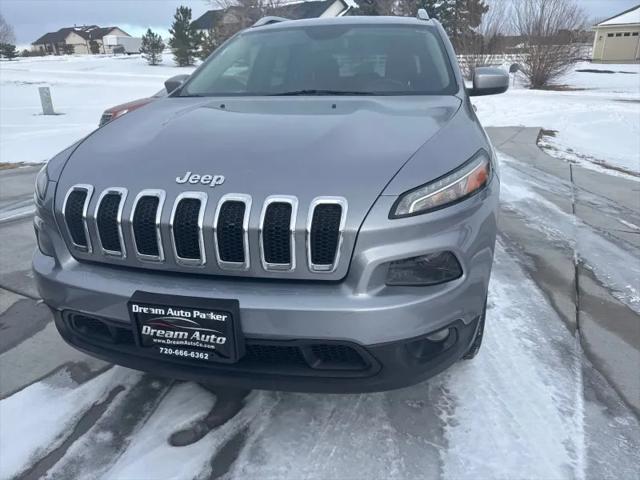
(45,100)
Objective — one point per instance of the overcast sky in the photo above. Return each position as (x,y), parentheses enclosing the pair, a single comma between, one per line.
(33,18)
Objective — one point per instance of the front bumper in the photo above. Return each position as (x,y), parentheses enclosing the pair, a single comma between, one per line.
(360,311)
(273,365)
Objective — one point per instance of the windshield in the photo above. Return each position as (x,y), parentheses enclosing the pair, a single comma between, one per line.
(328,59)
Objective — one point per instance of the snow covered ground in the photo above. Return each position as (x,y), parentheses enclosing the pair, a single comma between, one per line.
(597,125)
(530,406)
(82,87)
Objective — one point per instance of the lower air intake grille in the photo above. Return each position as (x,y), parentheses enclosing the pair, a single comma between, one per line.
(330,355)
(276,233)
(107,219)
(274,355)
(325,233)
(186,229)
(73,212)
(270,356)
(230,232)
(144,226)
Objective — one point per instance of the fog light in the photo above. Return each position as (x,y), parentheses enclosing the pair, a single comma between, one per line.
(425,270)
(439,336)
(44,242)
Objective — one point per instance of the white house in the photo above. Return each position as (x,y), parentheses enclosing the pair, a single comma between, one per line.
(213,19)
(80,37)
(618,38)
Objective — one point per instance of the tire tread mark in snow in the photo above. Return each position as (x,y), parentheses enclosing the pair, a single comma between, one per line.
(226,456)
(79,372)
(90,417)
(15,330)
(576,258)
(112,432)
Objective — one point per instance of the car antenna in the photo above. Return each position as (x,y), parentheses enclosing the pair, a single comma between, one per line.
(422,14)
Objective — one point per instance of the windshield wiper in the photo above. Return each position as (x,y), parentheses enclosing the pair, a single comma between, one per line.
(319,92)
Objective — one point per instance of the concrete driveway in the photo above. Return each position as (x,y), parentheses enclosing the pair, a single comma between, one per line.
(555,392)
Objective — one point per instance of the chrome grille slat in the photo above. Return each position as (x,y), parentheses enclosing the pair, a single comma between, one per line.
(80,241)
(327,228)
(292,202)
(222,250)
(107,219)
(143,252)
(184,249)
(228,235)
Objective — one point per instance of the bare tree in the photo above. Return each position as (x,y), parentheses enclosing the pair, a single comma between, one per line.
(387,7)
(549,31)
(486,45)
(6,32)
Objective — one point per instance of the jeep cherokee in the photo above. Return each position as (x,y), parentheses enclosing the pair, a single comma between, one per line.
(313,209)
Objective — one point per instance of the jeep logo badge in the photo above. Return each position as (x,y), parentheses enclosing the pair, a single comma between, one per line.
(192,178)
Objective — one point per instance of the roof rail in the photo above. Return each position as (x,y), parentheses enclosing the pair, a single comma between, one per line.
(422,14)
(268,21)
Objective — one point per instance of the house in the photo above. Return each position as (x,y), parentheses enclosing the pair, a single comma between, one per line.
(228,19)
(80,37)
(618,38)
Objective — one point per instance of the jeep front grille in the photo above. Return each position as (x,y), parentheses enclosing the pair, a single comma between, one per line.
(75,208)
(109,221)
(213,236)
(145,225)
(186,226)
(277,233)
(326,225)
(231,227)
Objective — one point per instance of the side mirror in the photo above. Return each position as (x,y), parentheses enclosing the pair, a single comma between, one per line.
(489,81)
(174,82)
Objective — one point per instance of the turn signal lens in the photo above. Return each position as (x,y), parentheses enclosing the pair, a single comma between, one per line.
(431,269)
(454,187)
(42,182)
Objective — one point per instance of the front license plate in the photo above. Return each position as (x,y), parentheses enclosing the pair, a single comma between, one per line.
(188,328)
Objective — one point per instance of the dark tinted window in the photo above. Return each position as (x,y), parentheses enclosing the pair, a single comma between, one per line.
(362,59)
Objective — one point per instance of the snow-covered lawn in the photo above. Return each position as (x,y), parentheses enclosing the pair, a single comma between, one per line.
(82,87)
(600,124)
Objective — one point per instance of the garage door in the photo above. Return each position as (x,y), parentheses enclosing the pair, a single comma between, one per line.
(621,47)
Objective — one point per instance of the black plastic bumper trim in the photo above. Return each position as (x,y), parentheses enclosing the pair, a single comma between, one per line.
(392,365)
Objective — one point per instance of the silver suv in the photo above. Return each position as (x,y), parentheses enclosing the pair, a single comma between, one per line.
(314,209)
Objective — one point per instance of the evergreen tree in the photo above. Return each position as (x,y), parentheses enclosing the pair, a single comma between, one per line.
(459,18)
(67,49)
(8,51)
(94,47)
(208,43)
(152,47)
(185,38)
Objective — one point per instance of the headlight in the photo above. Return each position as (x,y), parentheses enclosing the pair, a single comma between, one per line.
(42,182)
(453,187)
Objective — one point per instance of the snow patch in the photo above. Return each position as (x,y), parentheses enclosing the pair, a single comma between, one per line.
(37,419)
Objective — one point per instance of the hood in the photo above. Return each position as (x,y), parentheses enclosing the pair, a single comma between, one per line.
(306,147)
(301,147)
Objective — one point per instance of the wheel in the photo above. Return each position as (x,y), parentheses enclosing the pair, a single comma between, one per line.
(477,342)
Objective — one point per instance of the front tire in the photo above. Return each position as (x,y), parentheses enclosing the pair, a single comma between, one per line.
(477,341)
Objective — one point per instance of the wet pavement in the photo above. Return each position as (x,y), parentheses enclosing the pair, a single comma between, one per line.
(554,392)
